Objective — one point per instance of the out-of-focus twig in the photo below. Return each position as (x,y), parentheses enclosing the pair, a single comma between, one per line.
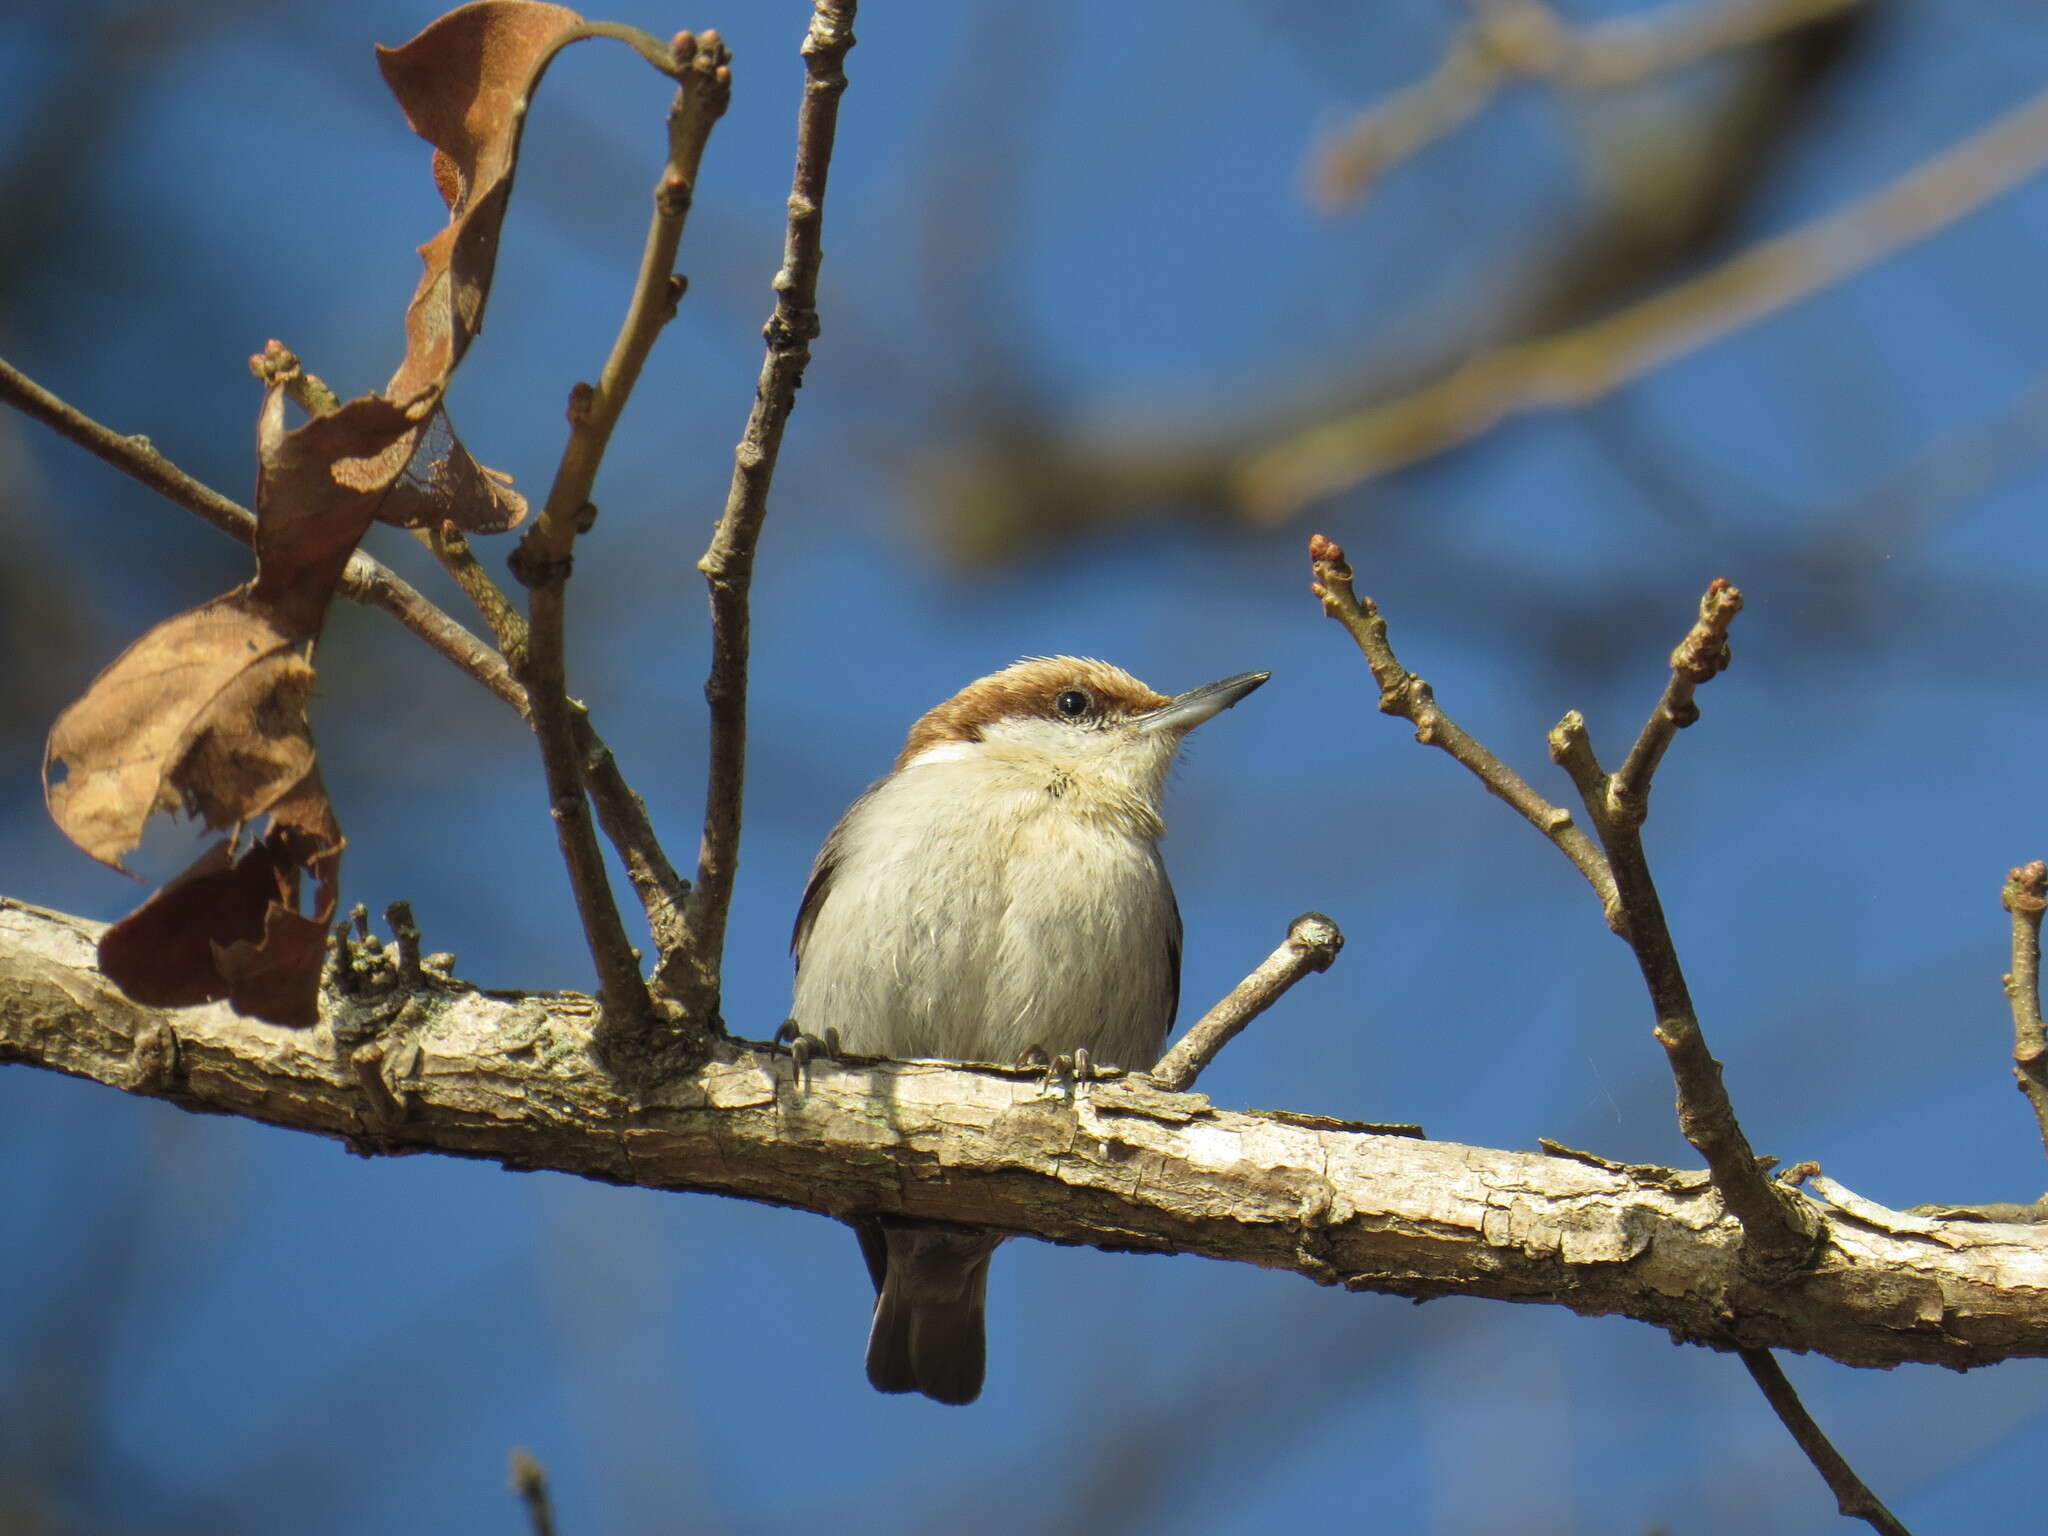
(1403,693)
(530,1482)
(690,974)
(1312,944)
(2025,896)
(1852,1497)
(1581,364)
(701,67)
(1526,39)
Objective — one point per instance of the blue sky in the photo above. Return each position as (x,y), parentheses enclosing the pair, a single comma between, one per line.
(1093,217)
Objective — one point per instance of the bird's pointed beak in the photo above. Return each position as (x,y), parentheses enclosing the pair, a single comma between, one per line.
(1190,709)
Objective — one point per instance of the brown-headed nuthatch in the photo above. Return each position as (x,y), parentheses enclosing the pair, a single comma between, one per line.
(1000,890)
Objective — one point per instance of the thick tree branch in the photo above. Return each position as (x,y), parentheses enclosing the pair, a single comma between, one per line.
(690,974)
(1117,1164)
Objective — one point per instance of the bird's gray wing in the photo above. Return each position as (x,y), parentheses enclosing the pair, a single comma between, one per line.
(823,868)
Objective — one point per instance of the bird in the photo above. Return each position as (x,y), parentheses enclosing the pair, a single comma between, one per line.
(999,892)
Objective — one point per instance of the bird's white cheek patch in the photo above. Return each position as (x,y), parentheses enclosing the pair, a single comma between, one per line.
(943,752)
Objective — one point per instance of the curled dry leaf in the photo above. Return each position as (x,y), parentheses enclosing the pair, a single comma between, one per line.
(205,714)
(231,927)
(463,84)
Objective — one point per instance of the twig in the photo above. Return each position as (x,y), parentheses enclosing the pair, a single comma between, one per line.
(1511,39)
(1852,1498)
(450,547)
(366,580)
(2025,895)
(623,815)
(1312,944)
(1574,367)
(691,974)
(370,583)
(1403,693)
(1779,1228)
(542,562)
(530,1482)
(1700,656)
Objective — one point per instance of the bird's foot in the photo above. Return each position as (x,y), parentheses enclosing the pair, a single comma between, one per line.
(804,1047)
(1065,1071)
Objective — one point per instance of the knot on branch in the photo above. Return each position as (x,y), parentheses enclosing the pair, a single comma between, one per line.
(534,568)
(790,328)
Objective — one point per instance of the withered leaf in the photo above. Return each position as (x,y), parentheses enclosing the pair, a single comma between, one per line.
(229,928)
(204,714)
(464,84)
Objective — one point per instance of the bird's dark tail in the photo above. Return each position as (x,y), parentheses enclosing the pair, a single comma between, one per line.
(930,1283)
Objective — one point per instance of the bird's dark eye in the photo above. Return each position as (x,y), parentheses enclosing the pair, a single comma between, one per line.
(1073,704)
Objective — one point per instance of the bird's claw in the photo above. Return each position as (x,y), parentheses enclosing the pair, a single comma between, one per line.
(1063,1070)
(804,1047)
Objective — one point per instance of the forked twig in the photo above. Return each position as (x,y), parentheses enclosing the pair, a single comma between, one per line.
(1403,693)
(542,562)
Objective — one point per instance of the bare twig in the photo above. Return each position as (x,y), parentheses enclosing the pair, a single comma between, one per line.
(2025,895)
(1312,944)
(1403,693)
(691,974)
(530,1482)
(450,546)
(1574,367)
(542,563)
(1779,1227)
(365,580)
(623,815)
(1852,1498)
(1700,656)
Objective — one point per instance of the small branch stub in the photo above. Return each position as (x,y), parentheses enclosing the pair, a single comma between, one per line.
(1313,942)
(2025,896)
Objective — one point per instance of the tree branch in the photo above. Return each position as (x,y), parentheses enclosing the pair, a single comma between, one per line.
(1852,1498)
(1118,1164)
(1312,944)
(542,563)
(2025,895)
(691,974)
(1577,366)
(1403,693)
(1778,1223)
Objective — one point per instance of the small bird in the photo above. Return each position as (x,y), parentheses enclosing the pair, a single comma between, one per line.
(999,891)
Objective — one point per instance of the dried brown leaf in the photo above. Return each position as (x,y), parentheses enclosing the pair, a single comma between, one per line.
(204,714)
(231,928)
(463,84)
